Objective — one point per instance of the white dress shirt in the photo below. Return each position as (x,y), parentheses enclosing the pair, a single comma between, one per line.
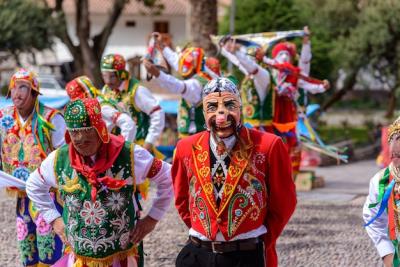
(171,57)
(147,103)
(305,59)
(190,89)
(37,186)
(378,230)
(248,66)
(261,76)
(112,117)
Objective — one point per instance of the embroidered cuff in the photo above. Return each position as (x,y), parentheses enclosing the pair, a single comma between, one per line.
(50,215)
(115,117)
(155,168)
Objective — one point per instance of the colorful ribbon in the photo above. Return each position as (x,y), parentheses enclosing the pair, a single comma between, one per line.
(384,202)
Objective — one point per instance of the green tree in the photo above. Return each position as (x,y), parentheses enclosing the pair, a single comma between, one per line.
(24,27)
(331,22)
(263,15)
(363,34)
(254,16)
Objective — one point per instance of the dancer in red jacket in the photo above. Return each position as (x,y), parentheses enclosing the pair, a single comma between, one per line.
(233,187)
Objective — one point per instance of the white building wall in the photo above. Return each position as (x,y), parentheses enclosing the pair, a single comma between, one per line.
(128,41)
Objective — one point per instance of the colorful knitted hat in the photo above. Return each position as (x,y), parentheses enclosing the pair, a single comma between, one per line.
(24,75)
(190,61)
(115,62)
(85,114)
(81,87)
(214,65)
(284,46)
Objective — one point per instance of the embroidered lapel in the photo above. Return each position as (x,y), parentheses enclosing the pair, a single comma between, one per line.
(239,161)
(201,159)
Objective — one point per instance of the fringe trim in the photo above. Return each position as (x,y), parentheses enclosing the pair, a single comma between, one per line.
(104,262)
(11,192)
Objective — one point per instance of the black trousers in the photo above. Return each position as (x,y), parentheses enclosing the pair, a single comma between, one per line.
(194,256)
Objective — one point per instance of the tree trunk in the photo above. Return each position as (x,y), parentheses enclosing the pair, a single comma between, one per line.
(203,22)
(87,54)
(392,103)
(348,86)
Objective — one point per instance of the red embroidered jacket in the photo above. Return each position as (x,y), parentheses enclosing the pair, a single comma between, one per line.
(258,190)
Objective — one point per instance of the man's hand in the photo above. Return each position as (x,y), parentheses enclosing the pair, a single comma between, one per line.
(148,147)
(151,68)
(259,54)
(231,46)
(159,44)
(59,229)
(307,34)
(143,227)
(388,260)
(326,84)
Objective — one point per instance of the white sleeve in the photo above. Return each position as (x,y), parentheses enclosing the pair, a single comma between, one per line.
(378,230)
(147,166)
(261,77)
(189,89)
(305,59)
(311,87)
(269,61)
(234,60)
(147,103)
(58,135)
(172,57)
(127,126)
(113,117)
(38,186)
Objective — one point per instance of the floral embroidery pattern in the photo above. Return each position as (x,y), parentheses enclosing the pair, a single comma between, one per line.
(124,240)
(47,246)
(21,173)
(93,213)
(73,204)
(27,247)
(42,227)
(7,122)
(115,201)
(22,229)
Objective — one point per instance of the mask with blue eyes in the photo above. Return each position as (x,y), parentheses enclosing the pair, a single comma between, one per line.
(222,107)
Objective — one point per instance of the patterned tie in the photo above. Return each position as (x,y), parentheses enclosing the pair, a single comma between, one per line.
(219,177)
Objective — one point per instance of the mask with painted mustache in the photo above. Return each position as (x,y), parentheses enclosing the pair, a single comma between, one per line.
(225,130)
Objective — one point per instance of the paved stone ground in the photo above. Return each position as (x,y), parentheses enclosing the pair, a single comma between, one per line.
(326,229)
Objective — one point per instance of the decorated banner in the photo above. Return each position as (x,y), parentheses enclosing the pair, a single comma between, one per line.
(262,39)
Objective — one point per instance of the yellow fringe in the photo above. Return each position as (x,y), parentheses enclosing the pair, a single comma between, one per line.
(144,188)
(41,264)
(104,262)
(15,192)
(255,122)
(285,127)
